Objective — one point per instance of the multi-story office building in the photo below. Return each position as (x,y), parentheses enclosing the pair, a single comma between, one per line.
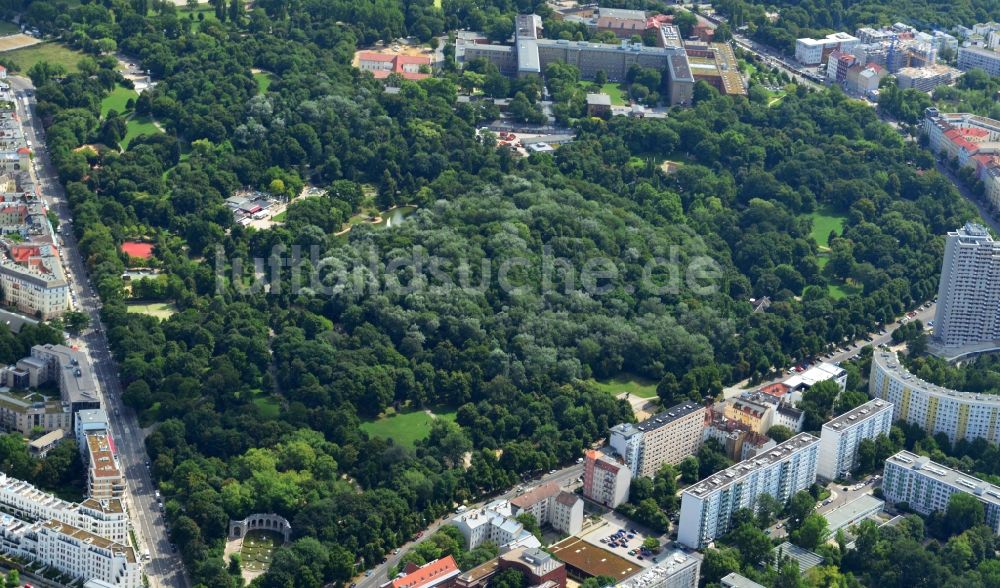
(675,570)
(668,437)
(924,79)
(605,480)
(978,57)
(105,478)
(708,506)
(839,441)
(926,486)
(968,309)
(550,505)
(815,51)
(959,415)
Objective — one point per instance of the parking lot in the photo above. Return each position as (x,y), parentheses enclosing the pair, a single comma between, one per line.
(626,536)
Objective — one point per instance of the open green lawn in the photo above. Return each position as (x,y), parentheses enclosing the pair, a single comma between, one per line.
(268,406)
(205,9)
(612,89)
(8,28)
(138,126)
(641,387)
(838,291)
(54,53)
(161,310)
(263,81)
(117,100)
(404,428)
(825,220)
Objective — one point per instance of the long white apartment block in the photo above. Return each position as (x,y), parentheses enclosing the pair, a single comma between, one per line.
(840,438)
(959,415)
(71,550)
(106,518)
(926,486)
(707,507)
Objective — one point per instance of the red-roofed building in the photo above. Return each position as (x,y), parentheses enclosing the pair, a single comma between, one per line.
(23,151)
(704,32)
(777,389)
(138,249)
(381,65)
(440,572)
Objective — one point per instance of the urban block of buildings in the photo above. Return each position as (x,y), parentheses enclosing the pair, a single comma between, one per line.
(815,51)
(707,507)
(683,65)
(973,140)
(925,486)
(840,438)
(737,439)
(959,415)
(677,569)
(666,438)
(31,273)
(605,480)
(493,523)
(550,505)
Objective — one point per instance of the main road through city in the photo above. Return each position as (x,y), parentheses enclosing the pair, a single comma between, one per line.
(165,568)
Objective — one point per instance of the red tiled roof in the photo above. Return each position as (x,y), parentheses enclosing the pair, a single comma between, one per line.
(417,59)
(23,253)
(974,132)
(538,494)
(428,574)
(655,21)
(137,249)
(23,150)
(965,144)
(776,389)
(372,56)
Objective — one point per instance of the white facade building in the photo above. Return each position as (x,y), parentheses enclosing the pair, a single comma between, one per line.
(839,440)
(493,523)
(814,51)
(926,486)
(550,505)
(605,480)
(959,415)
(707,507)
(968,308)
(675,570)
(978,57)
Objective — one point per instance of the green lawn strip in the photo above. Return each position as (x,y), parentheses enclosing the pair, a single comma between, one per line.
(117,100)
(138,126)
(825,220)
(52,52)
(641,387)
(268,406)
(263,81)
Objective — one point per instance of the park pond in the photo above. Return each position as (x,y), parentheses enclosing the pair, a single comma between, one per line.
(394,216)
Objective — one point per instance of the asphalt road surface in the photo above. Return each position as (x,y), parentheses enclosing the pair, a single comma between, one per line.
(165,568)
(379,573)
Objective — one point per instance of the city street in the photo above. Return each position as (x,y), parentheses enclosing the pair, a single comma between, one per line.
(379,573)
(165,568)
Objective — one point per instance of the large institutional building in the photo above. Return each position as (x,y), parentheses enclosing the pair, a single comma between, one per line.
(959,415)
(683,65)
(926,486)
(666,438)
(968,308)
(708,506)
(838,443)
(676,570)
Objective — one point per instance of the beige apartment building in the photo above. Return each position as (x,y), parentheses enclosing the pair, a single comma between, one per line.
(668,437)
